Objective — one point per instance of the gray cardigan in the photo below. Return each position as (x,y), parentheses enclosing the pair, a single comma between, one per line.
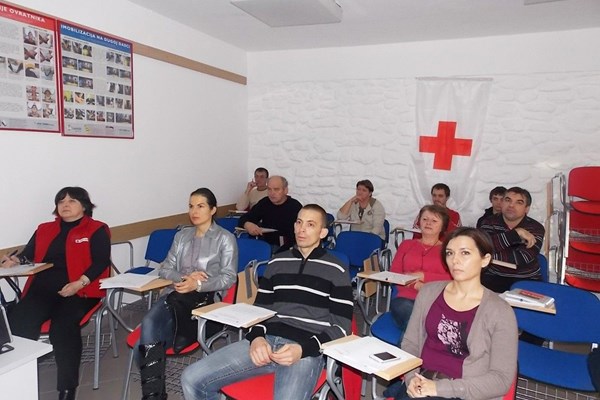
(491,366)
(219,252)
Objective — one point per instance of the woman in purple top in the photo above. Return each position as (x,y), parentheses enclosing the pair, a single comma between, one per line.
(465,334)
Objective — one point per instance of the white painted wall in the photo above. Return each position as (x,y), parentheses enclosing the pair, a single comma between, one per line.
(190,131)
(326,118)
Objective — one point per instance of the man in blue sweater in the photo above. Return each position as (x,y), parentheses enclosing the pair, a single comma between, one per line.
(311,293)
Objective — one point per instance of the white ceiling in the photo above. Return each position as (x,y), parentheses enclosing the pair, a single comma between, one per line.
(367,22)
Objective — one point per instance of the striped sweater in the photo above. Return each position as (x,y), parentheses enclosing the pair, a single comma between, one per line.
(509,247)
(312,298)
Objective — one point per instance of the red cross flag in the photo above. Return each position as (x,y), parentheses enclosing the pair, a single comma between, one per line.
(450,115)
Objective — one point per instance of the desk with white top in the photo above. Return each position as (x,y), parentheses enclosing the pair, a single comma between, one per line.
(18,369)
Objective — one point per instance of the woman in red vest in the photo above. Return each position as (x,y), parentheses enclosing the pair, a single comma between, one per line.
(79,249)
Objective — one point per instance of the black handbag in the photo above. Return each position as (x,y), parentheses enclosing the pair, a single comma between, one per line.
(181,305)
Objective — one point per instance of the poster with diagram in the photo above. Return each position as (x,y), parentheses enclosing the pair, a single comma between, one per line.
(29,96)
(97,83)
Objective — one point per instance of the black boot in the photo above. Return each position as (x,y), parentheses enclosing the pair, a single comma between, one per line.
(186,329)
(152,371)
(67,394)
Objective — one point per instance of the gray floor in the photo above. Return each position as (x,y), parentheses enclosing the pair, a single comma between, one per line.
(113,370)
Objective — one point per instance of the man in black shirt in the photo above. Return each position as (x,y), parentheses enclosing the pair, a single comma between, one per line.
(277,211)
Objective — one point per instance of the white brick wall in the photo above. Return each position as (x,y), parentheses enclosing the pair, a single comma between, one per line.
(325,135)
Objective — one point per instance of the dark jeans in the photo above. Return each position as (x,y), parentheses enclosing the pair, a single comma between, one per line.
(65,314)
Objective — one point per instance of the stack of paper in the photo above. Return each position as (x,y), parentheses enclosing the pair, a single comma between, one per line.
(240,315)
(356,353)
(127,281)
(528,297)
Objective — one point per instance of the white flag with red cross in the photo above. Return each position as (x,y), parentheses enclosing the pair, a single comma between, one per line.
(450,116)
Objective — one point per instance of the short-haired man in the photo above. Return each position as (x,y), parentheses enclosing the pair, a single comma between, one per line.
(440,193)
(517,240)
(256,190)
(312,295)
(276,211)
(497,199)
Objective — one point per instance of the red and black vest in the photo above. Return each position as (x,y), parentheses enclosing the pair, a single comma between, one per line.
(77,250)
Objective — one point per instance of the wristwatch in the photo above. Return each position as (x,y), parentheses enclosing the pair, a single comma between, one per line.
(199,288)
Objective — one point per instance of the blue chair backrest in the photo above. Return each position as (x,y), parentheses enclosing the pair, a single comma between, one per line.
(340,256)
(228,223)
(252,249)
(543,267)
(330,226)
(386,228)
(358,246)
(159,244)
(576,318)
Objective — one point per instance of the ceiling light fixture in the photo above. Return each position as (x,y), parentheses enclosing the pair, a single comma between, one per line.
(280,13)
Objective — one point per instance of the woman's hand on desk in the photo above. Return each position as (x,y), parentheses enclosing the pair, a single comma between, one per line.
(8,262)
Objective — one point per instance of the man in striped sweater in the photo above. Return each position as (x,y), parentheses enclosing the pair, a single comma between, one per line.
(517,240)
(311,293)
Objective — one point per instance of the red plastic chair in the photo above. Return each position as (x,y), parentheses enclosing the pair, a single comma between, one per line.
(584,231)
(132,339)
(583,270)
(261,387)
(582,185)
(95,312)
(134,336)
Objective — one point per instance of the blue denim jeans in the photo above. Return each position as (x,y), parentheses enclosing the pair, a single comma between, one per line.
(401,309)
(204,379)
(157,326)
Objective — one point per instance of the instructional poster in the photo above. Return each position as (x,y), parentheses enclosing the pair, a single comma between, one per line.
(29,98)
(97,83)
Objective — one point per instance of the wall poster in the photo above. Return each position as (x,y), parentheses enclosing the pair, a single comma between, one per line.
(97,83)
(28,71)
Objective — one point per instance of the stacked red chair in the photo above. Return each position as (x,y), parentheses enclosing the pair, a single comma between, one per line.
(582,256)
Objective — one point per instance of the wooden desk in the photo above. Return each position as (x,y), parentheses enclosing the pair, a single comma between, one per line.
(201,312)
(11,275)
(24,270)
(374,275)
(158,283)
(339,223)
(386,372)
(18,369)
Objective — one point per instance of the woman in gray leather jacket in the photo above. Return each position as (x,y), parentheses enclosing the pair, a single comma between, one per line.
(202,263)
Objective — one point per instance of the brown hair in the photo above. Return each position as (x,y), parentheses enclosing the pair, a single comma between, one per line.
(366,183)
(440,212)
(482,240)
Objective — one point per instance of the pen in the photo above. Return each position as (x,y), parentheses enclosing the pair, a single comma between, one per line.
(10,255)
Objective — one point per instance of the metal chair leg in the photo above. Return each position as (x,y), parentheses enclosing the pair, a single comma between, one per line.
(127,378)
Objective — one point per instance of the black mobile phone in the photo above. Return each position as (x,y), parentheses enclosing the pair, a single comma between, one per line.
(383,357)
